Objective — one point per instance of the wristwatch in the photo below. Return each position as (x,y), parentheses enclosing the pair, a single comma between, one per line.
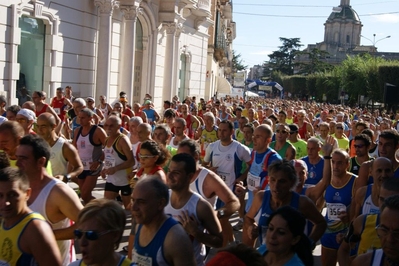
(220,213)
(67,178)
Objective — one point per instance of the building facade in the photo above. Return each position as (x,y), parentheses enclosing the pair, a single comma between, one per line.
(102,47)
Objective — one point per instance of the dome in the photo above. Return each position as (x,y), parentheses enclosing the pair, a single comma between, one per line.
(346,13)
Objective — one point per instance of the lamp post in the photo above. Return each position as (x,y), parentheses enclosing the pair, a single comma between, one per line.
(374,42)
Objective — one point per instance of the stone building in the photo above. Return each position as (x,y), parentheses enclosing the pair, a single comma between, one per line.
(102,47)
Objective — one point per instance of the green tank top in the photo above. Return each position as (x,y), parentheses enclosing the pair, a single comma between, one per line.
(281,151)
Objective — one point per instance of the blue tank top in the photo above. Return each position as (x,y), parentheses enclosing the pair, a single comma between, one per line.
(153,252)
(266,210)
(315,171)
(338,199)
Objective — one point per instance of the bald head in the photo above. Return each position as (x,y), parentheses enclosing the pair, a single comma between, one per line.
(381,169)
(47,118)
(144,131)
(265,129)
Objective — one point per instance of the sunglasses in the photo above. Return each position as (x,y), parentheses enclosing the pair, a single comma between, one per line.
(339,128)
(358,146)
(90,235)
(21,120)
(141,156)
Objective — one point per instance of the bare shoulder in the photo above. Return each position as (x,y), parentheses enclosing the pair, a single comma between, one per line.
(364,259)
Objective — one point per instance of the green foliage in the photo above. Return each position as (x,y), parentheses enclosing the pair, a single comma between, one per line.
(238,63)
(282,60)
(314,62)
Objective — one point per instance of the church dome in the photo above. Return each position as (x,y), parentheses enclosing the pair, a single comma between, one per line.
(347,12)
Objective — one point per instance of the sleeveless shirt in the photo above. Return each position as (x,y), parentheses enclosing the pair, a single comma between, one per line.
(198,183)
(39,205)
(368,205)
(113,157)
(10,253)
(191,207)
(58,162)
(283,151)
(152,254)
(88,151)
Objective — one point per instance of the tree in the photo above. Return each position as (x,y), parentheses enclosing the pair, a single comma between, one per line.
(313,62)
(238,63)
(282,60)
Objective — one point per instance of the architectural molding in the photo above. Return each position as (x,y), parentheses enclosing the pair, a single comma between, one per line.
(131,12)
(106,6)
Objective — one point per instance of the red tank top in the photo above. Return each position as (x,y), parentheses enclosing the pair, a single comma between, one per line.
(302,130)
(43,110)
(59,107)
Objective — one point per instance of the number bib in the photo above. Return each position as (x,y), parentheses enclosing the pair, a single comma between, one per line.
(334,209)
(253,181)
(57,111)
(109,162)
(141,260)
(86,163)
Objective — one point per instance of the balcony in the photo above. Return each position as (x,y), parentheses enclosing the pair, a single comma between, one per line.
(203,8)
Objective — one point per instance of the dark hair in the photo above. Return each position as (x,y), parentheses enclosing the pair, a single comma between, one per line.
(250,126)
(273,116)
(10,174)
(40,148)
(13,127)
(39,93)
(392,202)
(228,122)
(155,149)
(368,132)
(283,112)
(391,184)
(192,145)
(286,167)
(365,138)
(190,165)
(390,134)
(14,109)
(4,160)
(169,113)
(296,224)
(165,128)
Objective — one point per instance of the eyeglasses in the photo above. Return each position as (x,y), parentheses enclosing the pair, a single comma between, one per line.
(141,156)
(281,131)
(90,235)
(339,128)
(383,232)
(358,146)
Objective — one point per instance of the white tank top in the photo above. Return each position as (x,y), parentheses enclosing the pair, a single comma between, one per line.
(111,158)
(134,150)
(39,205)
(225,162)
(369,207)
(191,207)
(58,162)
(198,184)
(105,113)
(87,152)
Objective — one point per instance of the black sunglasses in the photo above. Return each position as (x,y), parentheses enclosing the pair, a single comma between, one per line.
(90,235)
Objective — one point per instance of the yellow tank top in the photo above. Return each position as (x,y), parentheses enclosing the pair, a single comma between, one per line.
(369,238)
(13,164)
(206,138)
(9,242)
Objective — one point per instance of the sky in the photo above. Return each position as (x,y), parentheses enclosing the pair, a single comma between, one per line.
(260,23)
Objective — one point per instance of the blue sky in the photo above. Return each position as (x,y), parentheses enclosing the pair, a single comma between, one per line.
(260,23)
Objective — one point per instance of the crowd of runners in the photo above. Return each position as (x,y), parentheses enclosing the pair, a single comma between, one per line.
(295,172)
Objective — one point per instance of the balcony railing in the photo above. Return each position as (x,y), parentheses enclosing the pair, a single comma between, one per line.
(204,6)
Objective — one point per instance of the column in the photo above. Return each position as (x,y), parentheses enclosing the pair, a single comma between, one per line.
(105,8)
(130,14)
(169,66)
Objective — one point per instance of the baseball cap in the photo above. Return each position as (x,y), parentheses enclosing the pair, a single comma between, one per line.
(293,128)
(148,102)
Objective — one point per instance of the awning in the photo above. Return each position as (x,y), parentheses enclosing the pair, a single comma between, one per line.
(223,86)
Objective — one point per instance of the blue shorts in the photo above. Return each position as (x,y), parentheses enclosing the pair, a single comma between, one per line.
(329,240)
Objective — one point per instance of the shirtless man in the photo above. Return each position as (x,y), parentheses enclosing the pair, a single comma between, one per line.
(53,199)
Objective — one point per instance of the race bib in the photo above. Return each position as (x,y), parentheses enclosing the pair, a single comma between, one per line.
(335,209)
(253,181)
(141,260)
(109,162)
(86,163)
(57,111)
(223,175)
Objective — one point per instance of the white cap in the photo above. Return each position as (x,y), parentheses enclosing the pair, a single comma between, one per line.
(29,114)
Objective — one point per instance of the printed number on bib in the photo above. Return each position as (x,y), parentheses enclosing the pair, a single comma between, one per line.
(109,162)
(86,163)
(335,209)
(253,182)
